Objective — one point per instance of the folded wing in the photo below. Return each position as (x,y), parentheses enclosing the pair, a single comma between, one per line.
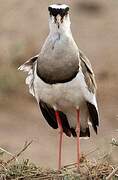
(91,85)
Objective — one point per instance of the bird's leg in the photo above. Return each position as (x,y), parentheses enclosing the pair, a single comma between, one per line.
(60,137)
(78,138)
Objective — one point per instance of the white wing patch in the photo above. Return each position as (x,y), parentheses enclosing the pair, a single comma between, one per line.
(29,81)
(28,67)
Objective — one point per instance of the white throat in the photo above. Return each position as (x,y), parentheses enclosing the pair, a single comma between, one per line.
(63,27)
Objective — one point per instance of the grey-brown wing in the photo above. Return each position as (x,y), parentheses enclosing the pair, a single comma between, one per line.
(88,72)
(91,84)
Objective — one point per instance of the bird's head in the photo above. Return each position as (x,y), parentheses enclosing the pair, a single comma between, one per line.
(59,16)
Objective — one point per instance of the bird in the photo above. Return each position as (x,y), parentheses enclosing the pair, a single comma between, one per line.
(61,79)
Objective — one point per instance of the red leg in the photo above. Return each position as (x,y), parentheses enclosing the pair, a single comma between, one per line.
(78,138)
(60,137)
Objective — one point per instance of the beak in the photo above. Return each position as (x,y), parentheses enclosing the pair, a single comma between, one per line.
(58,20)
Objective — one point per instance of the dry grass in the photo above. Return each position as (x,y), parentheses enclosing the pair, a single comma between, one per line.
(12,169)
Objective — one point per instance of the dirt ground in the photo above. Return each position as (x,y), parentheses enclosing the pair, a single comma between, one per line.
(23,29)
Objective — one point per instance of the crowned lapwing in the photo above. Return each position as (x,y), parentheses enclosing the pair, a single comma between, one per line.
(61,79)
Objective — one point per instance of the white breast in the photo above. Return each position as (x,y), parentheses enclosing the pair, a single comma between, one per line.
(63,95)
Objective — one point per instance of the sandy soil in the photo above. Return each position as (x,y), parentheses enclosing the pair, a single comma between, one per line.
(23,29)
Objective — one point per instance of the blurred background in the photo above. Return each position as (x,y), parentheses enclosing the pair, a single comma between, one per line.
(23,29)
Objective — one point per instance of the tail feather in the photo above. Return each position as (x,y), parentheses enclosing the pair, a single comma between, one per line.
(94,117)
(73,132)
(85,133)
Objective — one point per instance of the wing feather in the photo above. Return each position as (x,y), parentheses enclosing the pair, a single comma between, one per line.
(28,66)
(94,116)
(91,84)
(49,114)
(88,73)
